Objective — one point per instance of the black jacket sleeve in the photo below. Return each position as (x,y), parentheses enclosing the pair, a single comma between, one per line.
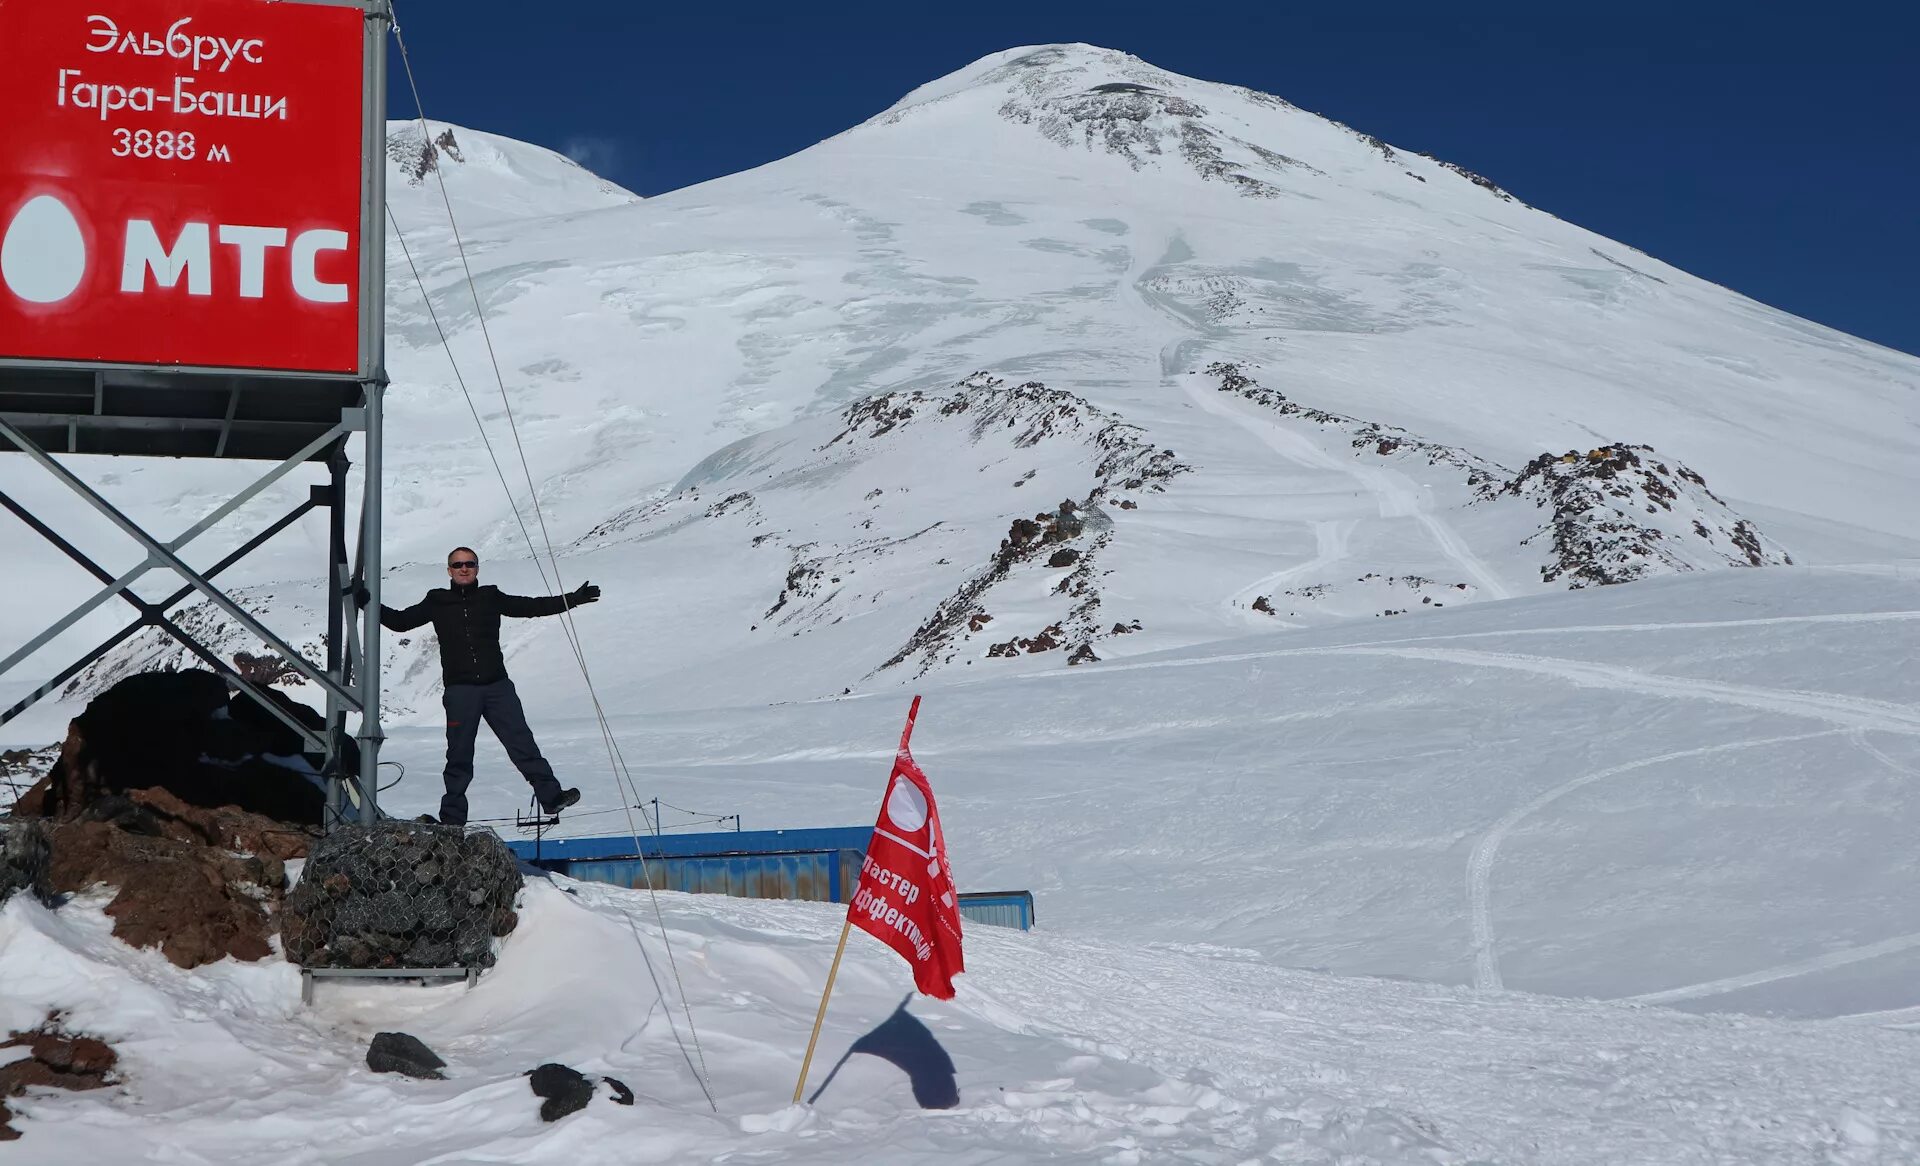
(405,619)
(530,606)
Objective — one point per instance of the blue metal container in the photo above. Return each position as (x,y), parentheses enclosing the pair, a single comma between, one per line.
(820,866)
(998,908)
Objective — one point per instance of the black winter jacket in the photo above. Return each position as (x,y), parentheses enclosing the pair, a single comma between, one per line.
(467,620)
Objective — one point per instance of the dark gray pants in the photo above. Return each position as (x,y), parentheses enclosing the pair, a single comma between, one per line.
(499,705)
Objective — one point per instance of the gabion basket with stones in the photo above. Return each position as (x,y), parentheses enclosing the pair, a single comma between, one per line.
(401,895)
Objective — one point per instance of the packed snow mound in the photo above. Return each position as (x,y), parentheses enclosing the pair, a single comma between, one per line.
(1057,1048)
(488,178)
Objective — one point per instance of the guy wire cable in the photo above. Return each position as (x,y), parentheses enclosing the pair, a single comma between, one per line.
(622,778)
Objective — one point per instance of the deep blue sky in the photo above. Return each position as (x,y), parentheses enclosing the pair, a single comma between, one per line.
(1770,148)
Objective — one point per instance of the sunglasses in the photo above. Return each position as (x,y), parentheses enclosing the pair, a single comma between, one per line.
(463,565)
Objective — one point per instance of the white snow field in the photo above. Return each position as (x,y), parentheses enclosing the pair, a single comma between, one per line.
(1368,827)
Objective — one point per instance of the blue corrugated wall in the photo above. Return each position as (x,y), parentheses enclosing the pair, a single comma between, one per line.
(820,866)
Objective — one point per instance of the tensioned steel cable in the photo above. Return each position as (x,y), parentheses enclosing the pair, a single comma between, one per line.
(616,760)
(605,730)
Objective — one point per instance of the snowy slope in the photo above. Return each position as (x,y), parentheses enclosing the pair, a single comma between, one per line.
(1239,489)
(1072,1050)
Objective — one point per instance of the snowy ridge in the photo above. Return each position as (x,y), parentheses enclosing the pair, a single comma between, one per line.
(489,178)
(1612,514)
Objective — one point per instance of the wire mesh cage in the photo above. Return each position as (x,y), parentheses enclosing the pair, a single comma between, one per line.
(401,895)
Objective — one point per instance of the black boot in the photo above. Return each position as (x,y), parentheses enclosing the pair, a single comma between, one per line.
(567,798)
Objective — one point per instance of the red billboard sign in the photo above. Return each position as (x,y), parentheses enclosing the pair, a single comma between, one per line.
(181,183)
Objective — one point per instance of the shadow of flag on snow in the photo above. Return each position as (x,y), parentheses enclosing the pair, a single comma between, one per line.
(911,1047)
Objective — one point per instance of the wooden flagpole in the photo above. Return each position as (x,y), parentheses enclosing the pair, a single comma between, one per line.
(800,1087)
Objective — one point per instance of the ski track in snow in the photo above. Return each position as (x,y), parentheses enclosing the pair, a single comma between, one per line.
(1687,625)
(1859,738)
(1486,960)
(1395,495)
(1330,537)
(1819,963)
(1854,712)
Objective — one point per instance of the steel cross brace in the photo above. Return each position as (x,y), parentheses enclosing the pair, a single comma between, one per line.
(154,615)
(160,554)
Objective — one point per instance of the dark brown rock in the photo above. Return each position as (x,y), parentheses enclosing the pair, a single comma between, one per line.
(55,1059)
(195,902)
(566,1090)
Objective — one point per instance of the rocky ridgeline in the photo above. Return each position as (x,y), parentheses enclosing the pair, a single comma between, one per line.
(153,650)
(1028,414)
(1484,478)
(1612,514)
(1620,512)
(1100,99)
(1137,119)
(418,157)
(1069,537)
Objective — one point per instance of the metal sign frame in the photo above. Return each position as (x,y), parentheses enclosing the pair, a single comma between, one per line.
(41,397)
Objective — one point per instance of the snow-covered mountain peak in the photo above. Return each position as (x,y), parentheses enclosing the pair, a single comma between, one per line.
(1081,96)
(488,177)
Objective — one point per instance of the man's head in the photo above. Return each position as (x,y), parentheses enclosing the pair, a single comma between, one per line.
(463,565)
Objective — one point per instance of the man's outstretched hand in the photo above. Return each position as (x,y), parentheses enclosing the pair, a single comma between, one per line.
(585,593)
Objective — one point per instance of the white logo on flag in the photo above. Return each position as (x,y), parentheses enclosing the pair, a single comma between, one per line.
(907,806)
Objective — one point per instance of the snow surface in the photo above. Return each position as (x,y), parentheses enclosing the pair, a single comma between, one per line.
(1315,882)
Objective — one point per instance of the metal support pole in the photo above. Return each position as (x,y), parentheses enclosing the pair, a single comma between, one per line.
(371,734)
(167,558)
(373,306)
(337,588)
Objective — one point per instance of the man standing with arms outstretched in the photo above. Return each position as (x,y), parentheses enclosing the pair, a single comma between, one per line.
(466,617)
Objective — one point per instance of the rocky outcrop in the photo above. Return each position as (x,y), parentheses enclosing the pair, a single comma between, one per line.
(1612,514)
(1622,512)
(197,901)
(1127,464)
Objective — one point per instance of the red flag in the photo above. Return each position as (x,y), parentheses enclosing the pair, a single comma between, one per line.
(906,898)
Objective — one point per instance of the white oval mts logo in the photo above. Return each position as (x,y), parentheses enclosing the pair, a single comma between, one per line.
(43,256)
